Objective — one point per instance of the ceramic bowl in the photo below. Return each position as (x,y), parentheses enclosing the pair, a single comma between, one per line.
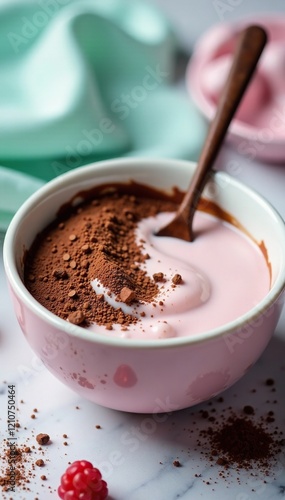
(151,376)
(258,129)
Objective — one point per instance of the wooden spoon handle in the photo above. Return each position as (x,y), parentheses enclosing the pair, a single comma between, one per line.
(250,45)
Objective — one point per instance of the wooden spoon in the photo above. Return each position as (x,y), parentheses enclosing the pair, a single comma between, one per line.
(249,48)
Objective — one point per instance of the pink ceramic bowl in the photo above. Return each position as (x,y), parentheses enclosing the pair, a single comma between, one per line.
(258,129)
(157,375)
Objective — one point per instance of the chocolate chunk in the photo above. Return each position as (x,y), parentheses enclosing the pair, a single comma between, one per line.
(76,317)
(177,279)
(40,462)
(248,410)
(127,295)
(42,438)
(176,463)
(158,277)
(60,274)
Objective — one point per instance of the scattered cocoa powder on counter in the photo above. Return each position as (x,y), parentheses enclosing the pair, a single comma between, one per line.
(96,240)
(24,466)
(17,455)
(242,442)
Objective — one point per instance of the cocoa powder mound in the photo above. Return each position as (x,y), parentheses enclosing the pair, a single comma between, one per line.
(242,442)
(94,240)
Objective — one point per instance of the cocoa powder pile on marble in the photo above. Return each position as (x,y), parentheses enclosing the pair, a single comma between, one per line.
(243,442)
(94,240)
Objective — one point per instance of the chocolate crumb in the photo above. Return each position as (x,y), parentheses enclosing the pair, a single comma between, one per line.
(42,438)
(221,461)
(248,410)
(127,295)
(158,277)
(177,279)
(40,462)
(60,274)
(76,317)
(176,463)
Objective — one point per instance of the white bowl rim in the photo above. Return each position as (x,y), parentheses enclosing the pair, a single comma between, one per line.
(75,331)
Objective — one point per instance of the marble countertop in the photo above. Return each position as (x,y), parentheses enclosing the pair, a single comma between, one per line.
(136,452)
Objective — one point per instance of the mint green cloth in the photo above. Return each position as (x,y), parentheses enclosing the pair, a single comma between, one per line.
(16,187)
(85,80)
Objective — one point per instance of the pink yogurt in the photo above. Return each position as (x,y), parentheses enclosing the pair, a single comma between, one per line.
(224,275)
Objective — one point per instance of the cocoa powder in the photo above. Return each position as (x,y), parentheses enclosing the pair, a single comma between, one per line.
(94,240)
(242,442)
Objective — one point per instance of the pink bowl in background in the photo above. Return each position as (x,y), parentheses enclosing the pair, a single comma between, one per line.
(258,130)
(157,375)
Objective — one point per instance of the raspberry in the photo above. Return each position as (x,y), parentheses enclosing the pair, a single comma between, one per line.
(82,481)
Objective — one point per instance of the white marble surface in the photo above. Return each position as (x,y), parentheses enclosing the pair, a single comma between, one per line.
(136,452)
